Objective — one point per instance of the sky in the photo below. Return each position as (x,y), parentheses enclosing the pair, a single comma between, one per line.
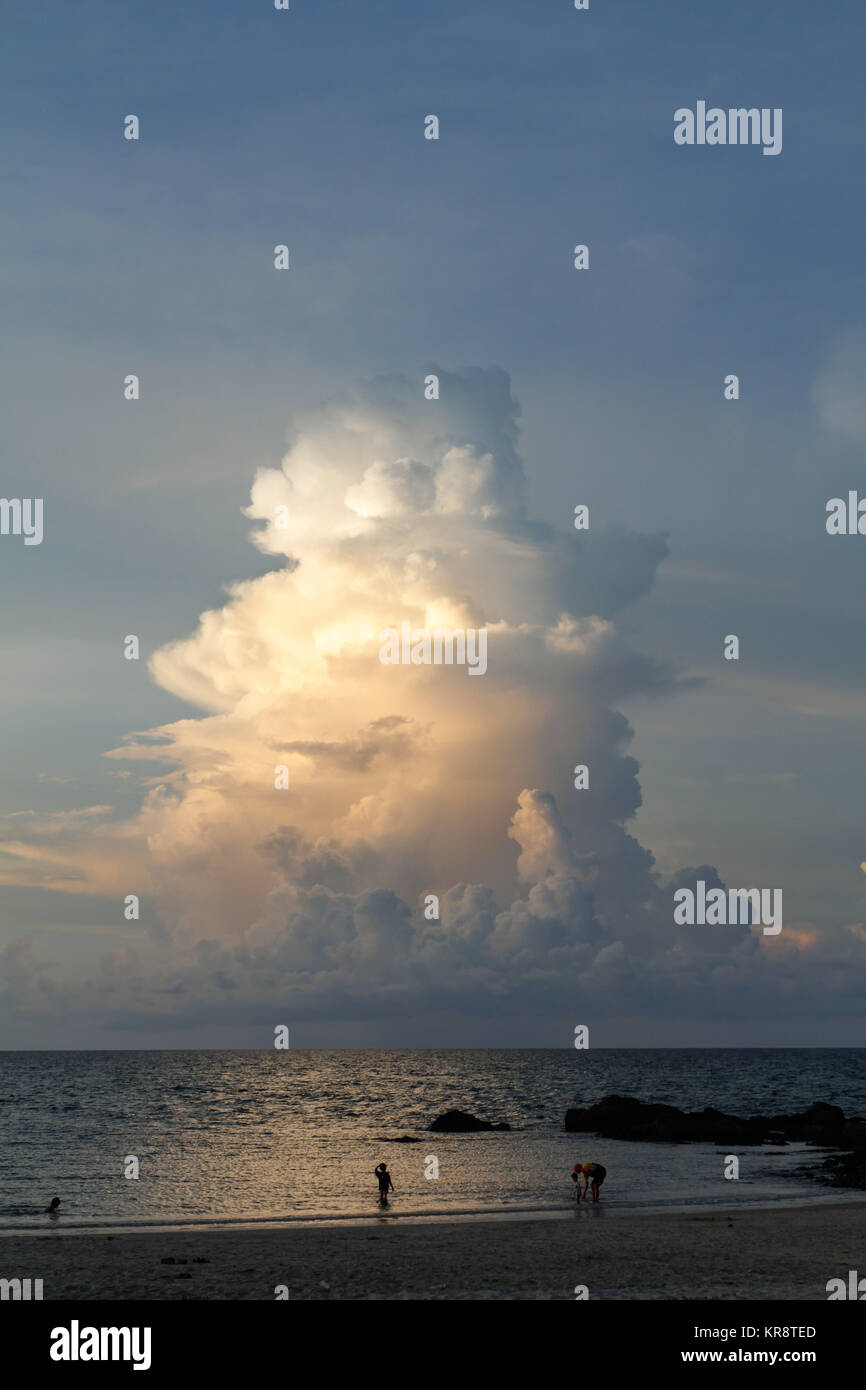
(303,390)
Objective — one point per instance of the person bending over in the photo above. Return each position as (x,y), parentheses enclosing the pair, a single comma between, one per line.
(593,1175)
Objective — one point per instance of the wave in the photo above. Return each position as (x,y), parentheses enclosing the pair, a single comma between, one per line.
(421,1214)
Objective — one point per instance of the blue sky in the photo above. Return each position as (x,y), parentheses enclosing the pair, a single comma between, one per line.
(306,127)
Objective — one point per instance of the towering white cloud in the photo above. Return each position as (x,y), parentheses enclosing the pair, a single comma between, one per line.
(409,780)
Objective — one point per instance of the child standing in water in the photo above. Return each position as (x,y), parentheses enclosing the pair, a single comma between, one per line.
(385,1183)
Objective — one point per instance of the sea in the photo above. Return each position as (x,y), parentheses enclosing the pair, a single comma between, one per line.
(240,1138)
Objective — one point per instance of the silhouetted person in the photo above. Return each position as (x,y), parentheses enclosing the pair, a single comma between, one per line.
(52,1209)
(385,1183)
(593,1175)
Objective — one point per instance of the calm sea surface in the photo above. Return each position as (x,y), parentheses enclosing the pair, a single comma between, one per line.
(294,1136)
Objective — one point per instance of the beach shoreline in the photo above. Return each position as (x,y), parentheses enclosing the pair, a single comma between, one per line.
(394,1215)
(759,1254)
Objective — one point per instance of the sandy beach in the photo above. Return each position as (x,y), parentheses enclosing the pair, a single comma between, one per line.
(767,1254)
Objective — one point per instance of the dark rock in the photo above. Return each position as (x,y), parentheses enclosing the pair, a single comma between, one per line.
(460,1122)
(401,1139)
(844,1170)
(624,1117)
(820,1113)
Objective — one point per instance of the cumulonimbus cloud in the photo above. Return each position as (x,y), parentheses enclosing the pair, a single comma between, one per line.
(407,781)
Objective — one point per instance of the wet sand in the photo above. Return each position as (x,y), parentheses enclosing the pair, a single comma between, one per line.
(774,1253)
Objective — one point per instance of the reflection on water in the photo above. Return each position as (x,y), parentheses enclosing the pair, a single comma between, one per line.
(255,1136)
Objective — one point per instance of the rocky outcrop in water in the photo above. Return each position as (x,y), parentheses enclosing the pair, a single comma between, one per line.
(461,1122)
(842,1170)
(624,1117)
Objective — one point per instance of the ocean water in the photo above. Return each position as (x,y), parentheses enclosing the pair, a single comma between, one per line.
(237,1137)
